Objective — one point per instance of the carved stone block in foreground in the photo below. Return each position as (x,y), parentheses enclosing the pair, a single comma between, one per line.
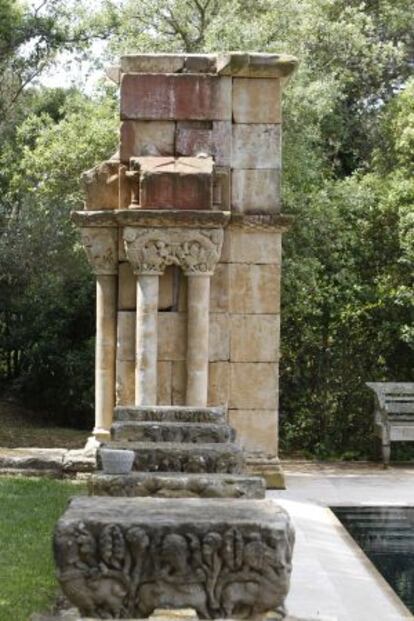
(177,485)
(124,560)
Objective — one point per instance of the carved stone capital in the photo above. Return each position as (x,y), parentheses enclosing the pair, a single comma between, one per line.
(123,560)
(101,247)
(151,250)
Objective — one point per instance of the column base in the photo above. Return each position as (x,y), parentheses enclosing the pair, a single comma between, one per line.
(101,435)
(269,468)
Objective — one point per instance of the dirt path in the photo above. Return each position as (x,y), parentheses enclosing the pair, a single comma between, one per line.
(21,427)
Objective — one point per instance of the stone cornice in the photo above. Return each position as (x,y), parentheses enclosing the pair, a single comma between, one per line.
(155,218)
(151,250)
(238,64)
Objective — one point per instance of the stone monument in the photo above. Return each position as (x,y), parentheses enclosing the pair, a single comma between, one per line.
(183,231)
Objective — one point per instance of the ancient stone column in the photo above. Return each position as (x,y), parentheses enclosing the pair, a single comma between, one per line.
(197,339)
(100,244)
(202,251)
(148,265)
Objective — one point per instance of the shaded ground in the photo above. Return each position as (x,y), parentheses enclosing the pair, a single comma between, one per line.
(20,427)
(29,509)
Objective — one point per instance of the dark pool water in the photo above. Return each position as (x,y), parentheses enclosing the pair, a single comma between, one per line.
(386,535)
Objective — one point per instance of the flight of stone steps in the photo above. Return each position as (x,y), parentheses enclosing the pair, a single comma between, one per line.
(179,452)
(203,538)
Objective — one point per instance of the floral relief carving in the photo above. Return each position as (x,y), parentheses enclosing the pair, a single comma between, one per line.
(129,571)
(151,250)
(101,247)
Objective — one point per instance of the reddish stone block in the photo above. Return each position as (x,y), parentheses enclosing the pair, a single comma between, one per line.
(213,139)
(148,96)
(183,183)
(146,138)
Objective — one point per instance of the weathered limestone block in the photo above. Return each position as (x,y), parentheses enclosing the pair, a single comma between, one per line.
(219,289)
(167,287)
(203,433)
(254,385)
(175,183)
(254,338)
(250,246)
(179,382)
(256,65)
(218,383)
(212,138)
(219,337)
(127,287)
(125,358)
(221,188)
(256,190)
(124,189)
(164,384)
(183,414)
(101,186)
(151,63)
(175,97)
(224,559)
(256,101)
(256,430)
(256,146)
(172,336)
(254,288)
(170,485)
(146,138)
(186,457)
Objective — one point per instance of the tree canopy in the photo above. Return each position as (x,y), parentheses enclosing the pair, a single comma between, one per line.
(347,178)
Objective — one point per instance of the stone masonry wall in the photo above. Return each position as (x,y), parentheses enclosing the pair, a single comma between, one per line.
(237,120)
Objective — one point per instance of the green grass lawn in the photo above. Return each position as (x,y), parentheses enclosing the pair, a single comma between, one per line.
(29,509)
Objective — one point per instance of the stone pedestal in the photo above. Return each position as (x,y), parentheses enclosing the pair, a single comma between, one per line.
(120,559)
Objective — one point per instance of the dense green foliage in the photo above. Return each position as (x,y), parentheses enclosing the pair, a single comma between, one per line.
(29,509)
(348,164)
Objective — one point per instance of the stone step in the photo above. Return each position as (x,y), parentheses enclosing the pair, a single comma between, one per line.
(226,458)
(170,413)
(171,432)
(124,558)
(177,485)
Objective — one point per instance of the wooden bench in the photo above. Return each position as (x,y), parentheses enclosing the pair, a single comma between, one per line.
(394,413)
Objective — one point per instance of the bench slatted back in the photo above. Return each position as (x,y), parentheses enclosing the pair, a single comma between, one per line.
(395,398)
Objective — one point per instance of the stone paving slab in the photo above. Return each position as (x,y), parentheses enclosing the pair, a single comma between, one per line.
(46,462)
(345,584)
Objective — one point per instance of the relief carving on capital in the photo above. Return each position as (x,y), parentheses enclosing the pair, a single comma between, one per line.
(101,247)
(151,250)
(128,571)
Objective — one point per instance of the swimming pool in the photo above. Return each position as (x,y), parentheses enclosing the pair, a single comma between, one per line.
(386,535)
